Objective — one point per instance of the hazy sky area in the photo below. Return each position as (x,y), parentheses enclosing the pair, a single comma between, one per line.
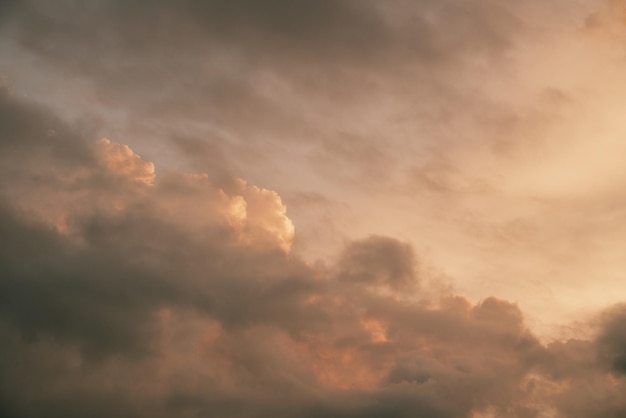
(320,208)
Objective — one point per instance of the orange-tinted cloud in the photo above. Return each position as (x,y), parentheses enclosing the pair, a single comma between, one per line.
(130,291)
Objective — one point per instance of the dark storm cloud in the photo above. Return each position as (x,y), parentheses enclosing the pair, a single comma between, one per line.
(306,29)
(613,339)
(308,26)
(379,261)
(27,131)
(158,39)
(7,9)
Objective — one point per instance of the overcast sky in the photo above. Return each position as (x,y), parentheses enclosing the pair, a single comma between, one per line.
(312,208)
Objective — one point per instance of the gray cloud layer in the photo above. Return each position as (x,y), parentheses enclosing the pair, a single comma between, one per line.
(251,79)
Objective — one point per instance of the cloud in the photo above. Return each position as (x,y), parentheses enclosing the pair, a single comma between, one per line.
(130,290)
(236,81)
(379,261)
(587,374)
(117,281)
(329,27)
(69,206)
(122,160)
(613,339)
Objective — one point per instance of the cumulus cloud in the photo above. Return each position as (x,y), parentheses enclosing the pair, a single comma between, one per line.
(122,160)
(164,295)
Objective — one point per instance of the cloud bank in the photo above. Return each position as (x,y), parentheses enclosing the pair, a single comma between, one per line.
(132,294)
(420,146)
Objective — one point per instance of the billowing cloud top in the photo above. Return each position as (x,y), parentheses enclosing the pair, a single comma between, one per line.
(176,288)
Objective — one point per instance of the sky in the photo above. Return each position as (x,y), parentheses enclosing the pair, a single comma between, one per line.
(330,208)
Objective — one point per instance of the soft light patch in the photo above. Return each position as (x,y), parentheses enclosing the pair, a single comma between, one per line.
(122,160)
(261,216)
